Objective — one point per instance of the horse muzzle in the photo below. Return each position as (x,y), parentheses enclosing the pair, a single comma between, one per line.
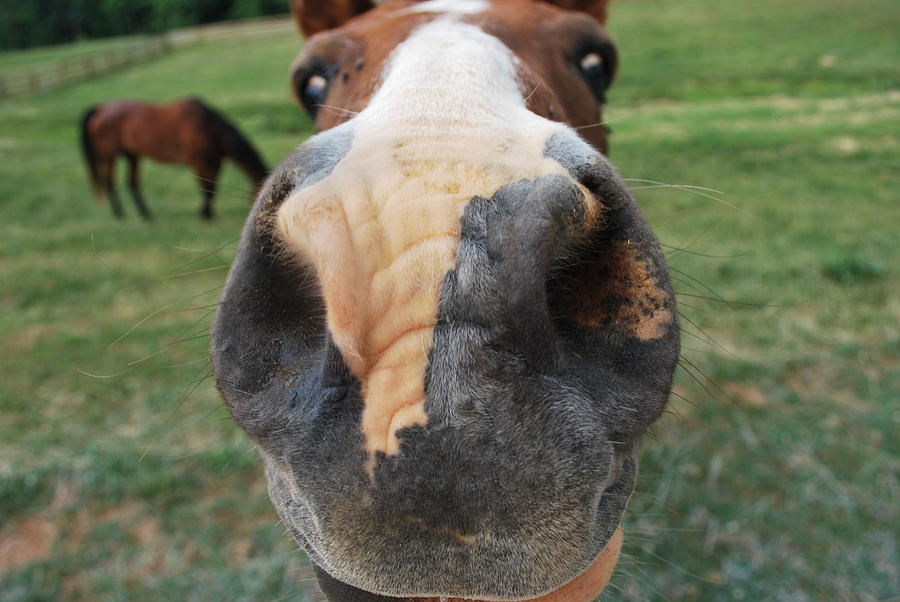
(456,415)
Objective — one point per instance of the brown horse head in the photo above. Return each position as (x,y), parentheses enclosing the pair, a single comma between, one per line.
(448,325)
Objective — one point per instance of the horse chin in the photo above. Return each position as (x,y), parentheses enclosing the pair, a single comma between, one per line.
(585,587)
(592,581)
(561,573)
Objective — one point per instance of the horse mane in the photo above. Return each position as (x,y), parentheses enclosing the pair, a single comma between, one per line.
(237,146)
(87,148)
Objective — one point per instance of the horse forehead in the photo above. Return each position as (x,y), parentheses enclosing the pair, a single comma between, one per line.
(444,53)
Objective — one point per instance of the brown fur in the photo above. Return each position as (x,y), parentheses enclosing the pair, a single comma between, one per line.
(362,46)
(617,291)
(185,131)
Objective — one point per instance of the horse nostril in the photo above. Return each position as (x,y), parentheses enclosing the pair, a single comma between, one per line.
(508,245)
(526,223)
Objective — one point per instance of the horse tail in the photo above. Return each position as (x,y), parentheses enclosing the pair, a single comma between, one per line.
(90,153)
(237,147)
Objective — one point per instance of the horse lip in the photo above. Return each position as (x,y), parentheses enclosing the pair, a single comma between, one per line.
(585,586)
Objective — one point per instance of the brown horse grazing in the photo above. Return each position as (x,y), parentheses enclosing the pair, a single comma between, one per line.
(448,326)
(184,131)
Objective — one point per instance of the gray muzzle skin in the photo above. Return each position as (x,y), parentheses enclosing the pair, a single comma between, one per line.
(524,469)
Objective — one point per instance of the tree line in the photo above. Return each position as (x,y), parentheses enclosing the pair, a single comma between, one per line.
(29,23)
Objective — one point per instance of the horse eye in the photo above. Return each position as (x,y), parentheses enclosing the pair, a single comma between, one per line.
(591,62)
(312,89)
(596,74)
(315,88)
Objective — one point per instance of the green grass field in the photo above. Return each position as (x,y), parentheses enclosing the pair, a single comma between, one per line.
(41,56)
(776,476)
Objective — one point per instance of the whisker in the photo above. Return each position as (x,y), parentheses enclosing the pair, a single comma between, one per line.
(530,94)
(209,254)
(215,409)
(683,398)
(102,376)
(292,591)
(689,306)
(656,216)
(696,379)
(709,193)
(210,306)
(646,582)
(221,185)
(158,311)
(656,184)
(695,240)
(184,364)
(191,249)
(339,110)
(731,301)
(710,340)
(190,273)
(696,336)
(590,125)
(99,258)
(136,362)
(605,121)
(699,285)
(678,568)
(708,379)
(193,387)
(136,326)
(698,254)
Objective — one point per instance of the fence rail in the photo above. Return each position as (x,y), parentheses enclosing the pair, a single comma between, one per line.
(32,80)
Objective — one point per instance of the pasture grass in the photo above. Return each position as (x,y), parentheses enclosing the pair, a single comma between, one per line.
(42,56)
(775,475)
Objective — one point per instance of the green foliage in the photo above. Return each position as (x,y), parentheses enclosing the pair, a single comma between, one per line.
(45,22)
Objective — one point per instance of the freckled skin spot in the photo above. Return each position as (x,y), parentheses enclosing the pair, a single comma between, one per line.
(618,291)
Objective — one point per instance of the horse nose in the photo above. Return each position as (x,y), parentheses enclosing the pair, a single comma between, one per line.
(508,244)
(548,266)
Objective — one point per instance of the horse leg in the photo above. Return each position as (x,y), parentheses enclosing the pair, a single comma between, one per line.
(133,185)
(107,176)
(207,176)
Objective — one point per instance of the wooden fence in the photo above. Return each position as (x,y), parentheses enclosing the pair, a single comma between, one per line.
(56,74)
